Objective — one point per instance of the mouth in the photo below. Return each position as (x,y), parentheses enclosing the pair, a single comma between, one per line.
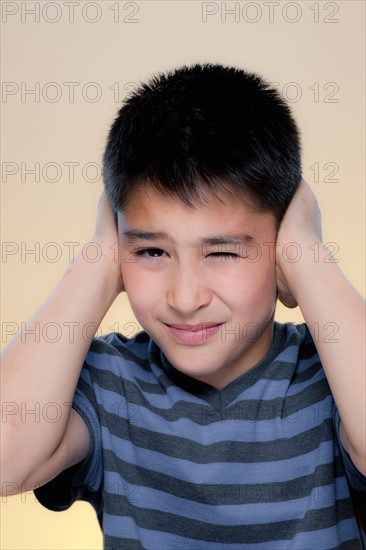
(193,334)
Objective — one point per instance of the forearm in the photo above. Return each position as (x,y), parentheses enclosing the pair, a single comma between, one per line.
(335,315)
(39,375)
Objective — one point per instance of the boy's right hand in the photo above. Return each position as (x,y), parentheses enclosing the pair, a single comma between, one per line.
(106,236)
(38,370)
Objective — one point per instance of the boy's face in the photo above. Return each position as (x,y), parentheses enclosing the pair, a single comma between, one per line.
(201,281)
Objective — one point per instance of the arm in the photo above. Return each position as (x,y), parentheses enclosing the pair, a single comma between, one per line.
(36,373)
(325,296)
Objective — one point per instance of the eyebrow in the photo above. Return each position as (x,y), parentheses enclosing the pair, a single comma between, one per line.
(132,234)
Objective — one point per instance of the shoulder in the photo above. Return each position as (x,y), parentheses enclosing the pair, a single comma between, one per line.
(298,363)
(295,342)
(116,344)
(113,360)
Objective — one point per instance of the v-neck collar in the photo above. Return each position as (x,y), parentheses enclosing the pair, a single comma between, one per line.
(222,398)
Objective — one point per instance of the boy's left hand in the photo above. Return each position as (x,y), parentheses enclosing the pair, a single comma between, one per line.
(301,225)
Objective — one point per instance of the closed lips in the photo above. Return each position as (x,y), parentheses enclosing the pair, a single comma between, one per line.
(194,328)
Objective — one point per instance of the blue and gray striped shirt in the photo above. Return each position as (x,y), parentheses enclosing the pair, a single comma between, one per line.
(176,464)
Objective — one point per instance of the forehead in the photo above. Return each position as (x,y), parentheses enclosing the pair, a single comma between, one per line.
(150,210)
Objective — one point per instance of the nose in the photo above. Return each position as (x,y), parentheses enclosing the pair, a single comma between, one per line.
(188,291)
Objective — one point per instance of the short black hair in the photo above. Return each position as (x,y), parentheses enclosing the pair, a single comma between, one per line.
(205,125)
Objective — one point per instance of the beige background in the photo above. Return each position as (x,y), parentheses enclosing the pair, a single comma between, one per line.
(314,50)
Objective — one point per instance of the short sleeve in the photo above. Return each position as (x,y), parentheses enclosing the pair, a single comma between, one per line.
(356,481)
(83,480)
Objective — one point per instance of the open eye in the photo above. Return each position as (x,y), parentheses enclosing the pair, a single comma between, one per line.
(150,252)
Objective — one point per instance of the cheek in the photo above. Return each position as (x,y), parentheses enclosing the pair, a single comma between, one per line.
(265,280)
(253,286)
(132,278)
(142,289)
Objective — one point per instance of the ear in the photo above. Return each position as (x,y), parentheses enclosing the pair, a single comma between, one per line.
(283,292)
(288,300)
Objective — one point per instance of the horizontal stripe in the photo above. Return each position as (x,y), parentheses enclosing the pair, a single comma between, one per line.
(236,472)
(208,488)
(255,409)
(122,543)
(212,426)
(101,352)
(281,386)
(232,451)
(259,501)
(302,541)
(313,520)
(120,366)
(292,372)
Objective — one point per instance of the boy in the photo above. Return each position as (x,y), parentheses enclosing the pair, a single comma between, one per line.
(215,427)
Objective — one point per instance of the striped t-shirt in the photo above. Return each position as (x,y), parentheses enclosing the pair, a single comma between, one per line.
(177,464)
